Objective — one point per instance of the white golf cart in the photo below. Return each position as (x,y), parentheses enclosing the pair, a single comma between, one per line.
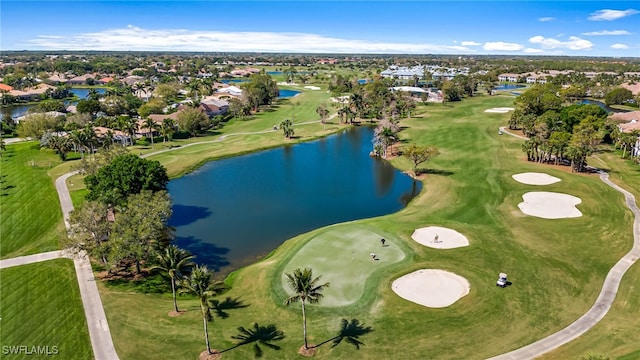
(502,280)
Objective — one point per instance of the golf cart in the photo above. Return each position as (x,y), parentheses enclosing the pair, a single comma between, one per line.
(502,280)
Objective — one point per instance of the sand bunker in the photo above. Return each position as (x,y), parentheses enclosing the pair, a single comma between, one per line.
(310,87)
(501,110)
(533,178)
(431,287)
(439,237)
(550,205)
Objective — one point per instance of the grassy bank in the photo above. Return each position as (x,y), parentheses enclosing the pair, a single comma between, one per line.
(30,215)
(557,266)
(41,306)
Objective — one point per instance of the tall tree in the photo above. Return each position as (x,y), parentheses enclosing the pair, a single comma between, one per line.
(287,128)
(201,284)
(192,120)
(151,126)
(420,154)
(124,175)
(307,289)
(175,262)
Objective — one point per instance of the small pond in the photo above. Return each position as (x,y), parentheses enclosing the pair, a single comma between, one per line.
(284,94)
(232,212)
(508,87)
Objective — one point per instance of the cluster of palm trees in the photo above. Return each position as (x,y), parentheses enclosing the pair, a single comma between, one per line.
(374,101)
(187,277)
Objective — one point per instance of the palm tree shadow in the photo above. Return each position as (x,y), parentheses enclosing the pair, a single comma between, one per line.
(258,335)
(350,331)
(220,307)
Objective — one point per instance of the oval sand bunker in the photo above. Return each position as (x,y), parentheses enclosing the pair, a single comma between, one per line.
(550,205)
(534,178)
(439,237)
(431,287)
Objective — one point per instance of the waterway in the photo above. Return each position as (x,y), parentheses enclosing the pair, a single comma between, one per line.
(232,212)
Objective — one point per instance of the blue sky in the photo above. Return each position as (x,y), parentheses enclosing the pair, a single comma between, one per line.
(590,28)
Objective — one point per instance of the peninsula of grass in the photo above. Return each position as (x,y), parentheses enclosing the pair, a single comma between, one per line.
(41,306)
(30,215)
(557,266)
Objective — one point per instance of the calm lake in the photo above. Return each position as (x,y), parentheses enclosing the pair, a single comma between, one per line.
(17,111)
(232,212)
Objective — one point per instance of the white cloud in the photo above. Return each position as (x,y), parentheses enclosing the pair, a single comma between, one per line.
(533,51)
(135,38)
(546,19)
(460,48)
(470,43)
(574,43)
(608,15)
(606,32)
(619,46)
(501,46)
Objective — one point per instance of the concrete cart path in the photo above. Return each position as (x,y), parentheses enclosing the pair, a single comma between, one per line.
(603,302)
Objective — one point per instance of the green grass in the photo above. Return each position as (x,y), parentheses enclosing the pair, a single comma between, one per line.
(41,306)
(341,250)
(556,266)
(30,215)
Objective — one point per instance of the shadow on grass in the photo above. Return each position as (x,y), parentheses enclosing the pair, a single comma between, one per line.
(258,336)
(435,172)
(221,307)
(207,253)
(350,332)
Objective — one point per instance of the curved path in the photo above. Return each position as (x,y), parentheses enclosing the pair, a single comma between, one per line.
(222,137)
(604,301)
(99,332)
(504,130)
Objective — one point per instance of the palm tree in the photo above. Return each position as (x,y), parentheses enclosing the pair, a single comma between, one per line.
(306,289)
(167,129)
(174,261)
(151,125)
(201,284)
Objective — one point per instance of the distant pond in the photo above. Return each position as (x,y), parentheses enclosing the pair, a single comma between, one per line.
(232,212)
(17,111)
(606,107)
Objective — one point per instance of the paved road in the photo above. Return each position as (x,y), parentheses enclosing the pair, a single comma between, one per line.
(99,333)
(603,302)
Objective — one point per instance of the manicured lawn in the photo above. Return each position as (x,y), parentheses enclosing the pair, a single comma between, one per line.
(41,306)
(341,255)
(30,215)
(556,266)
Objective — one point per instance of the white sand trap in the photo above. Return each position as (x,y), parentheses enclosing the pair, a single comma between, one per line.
(550,205)
(439,237)
(431,287)
(534,178)
(310,87)
(501,110)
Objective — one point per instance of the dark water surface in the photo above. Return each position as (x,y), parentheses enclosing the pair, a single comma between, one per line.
(234,211)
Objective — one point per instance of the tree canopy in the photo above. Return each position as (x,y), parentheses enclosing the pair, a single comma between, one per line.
(125,175)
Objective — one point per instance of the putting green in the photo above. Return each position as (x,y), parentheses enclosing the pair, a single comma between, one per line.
(342,256)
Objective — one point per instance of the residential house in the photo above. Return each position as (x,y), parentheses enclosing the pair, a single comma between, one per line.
(82,79)
(117,135)
(213,106)
(230,91)
(508,77)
